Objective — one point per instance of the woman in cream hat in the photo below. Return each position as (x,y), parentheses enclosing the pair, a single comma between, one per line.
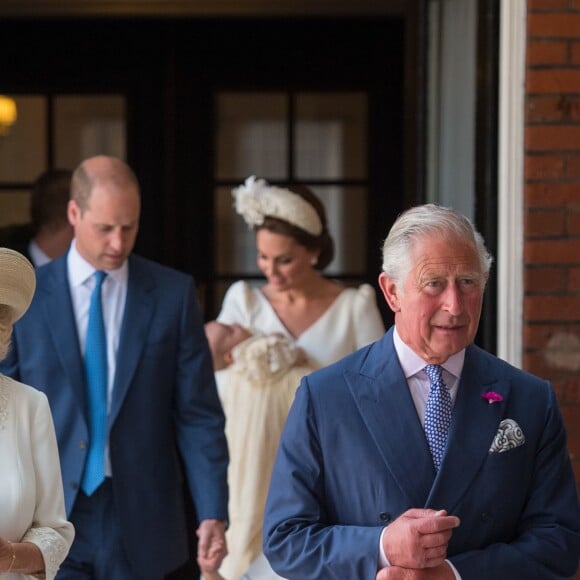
(35,536)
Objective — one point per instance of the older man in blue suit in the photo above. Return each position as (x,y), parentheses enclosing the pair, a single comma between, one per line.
(153,421)
(422,457)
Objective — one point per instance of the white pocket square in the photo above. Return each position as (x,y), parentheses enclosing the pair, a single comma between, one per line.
(509,436)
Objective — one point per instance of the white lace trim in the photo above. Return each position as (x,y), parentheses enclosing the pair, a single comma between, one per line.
(262,359)
(256,199)
(53,547)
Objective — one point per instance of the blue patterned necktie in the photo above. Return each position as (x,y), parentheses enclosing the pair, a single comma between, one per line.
(96,377)
(437,414)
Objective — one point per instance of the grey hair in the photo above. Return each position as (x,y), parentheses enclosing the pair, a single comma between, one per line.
(6,326)
(424,220)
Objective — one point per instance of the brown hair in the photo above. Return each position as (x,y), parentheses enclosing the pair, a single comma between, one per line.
(323,243)
(49,199)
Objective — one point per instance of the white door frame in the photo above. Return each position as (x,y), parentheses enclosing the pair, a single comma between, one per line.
(510,271)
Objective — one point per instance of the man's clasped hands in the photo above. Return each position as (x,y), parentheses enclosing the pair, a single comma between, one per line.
(416,546)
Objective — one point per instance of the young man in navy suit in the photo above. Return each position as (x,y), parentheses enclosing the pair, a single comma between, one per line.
(421,456)
(161,422)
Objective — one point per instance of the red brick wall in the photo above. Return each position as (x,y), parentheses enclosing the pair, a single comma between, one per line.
(552,205)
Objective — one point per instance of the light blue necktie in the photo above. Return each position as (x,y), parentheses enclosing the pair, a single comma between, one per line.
(437,414)
(96,378)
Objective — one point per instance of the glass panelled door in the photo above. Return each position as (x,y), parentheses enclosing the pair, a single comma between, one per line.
(55,131)
(318,139)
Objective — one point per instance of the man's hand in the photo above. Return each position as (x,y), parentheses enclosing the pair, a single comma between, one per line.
(211,546)
(418,539)
(441,572)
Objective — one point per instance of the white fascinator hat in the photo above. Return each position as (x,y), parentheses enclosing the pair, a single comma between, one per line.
(17,282)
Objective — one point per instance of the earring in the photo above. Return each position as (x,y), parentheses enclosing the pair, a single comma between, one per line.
(314,260)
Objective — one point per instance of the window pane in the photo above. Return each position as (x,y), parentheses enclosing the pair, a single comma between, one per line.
(347,220)
(331,136)
(23,148)
(14,207)
(235,248)
(251,135)
(87,126)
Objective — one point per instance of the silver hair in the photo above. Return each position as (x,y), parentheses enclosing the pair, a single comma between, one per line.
(6,326)
(428,220)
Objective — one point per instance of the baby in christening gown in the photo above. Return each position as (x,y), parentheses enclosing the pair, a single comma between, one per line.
(257,377)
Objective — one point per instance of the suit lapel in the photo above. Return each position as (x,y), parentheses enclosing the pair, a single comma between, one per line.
(61,324)
(139,307)
(473,428)
(382,396)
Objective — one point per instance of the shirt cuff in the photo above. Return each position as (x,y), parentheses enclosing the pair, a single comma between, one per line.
(383,560)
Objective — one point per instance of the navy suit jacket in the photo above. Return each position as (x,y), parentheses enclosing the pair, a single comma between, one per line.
(353,457)
(164,406)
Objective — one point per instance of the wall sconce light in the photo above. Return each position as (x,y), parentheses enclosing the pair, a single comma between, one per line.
(8,114)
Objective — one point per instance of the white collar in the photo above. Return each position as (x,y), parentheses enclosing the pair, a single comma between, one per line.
(412,363)
(79,270)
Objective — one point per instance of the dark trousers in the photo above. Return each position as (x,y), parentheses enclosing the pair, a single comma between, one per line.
(97,552)
(190,570)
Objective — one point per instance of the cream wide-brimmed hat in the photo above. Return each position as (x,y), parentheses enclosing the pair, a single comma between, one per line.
(17,282)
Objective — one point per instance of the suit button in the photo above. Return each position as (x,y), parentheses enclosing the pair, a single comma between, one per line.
(385,517)
(82,444)
(485,517)
(74,485)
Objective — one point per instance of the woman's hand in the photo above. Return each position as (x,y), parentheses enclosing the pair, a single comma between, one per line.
(7,556)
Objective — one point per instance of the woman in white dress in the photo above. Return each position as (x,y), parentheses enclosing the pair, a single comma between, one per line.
(257,378)
(325,319)
(35,536)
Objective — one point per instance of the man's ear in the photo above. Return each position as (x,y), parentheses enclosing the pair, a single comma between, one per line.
(390,292)
(73,212)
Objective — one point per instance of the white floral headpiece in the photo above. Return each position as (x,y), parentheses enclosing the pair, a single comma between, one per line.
(256,199)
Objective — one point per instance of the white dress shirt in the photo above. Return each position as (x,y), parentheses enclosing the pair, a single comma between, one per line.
(114,293)
(37,256)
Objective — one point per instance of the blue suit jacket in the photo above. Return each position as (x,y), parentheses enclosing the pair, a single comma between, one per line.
(164,405)
(353,456)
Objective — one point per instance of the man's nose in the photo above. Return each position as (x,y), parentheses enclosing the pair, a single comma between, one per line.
(453,300)
(116,240)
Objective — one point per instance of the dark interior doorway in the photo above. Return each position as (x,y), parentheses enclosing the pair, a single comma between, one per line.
(170,72)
